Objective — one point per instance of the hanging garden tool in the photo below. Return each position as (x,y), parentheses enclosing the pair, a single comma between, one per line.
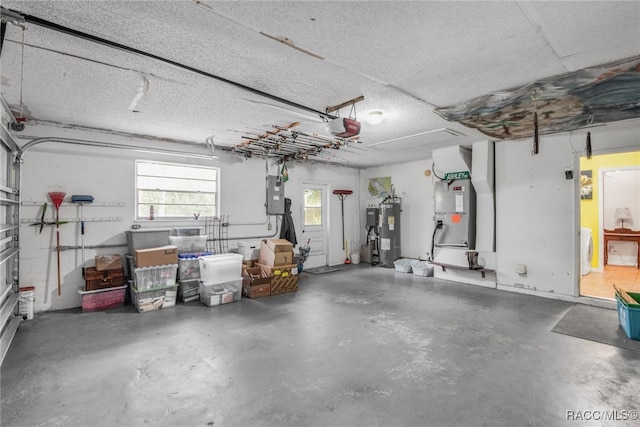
(42,222)
(57,197)
(82,200)
(342,194)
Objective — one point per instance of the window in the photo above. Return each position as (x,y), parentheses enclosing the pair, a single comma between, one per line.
(312,207)
(175,191)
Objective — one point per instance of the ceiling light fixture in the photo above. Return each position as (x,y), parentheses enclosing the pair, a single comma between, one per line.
(374,117)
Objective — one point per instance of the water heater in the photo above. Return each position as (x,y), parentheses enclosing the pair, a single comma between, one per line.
(389,238)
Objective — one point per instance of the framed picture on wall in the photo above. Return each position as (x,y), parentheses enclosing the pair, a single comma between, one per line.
(586,185)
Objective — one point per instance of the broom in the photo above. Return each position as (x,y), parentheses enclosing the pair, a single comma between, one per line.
(57,197)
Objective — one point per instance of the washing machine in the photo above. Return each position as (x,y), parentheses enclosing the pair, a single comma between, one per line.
(586,251)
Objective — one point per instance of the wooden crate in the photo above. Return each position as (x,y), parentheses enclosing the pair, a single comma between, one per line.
(95,280)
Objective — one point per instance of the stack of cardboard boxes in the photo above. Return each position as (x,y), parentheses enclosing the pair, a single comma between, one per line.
(154,278)
(275,272)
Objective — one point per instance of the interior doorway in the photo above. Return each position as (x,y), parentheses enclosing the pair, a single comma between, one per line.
(610,184)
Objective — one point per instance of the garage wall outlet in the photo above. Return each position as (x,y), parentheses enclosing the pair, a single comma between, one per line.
(521,269)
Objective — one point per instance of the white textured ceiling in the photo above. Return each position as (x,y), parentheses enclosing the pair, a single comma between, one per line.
(405,58)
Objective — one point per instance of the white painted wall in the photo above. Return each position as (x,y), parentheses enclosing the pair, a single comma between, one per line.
(109,176)
(535,211)
(416,191)
(621,189)
(536,207)
(537,220)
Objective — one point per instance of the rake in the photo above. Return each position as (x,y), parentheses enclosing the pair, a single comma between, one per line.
(57,197)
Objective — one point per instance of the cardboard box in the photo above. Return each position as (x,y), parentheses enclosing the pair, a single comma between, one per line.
(255,283)
(255,276)
(272,271)
(108,262)
(152,257)
(256,291)
(247,264)
(284,283)
(279,245)
(272,258)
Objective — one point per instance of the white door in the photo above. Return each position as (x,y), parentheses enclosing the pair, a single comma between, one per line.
(314,223)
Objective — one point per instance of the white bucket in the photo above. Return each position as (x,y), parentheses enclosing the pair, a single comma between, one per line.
(26,301)
(355,258)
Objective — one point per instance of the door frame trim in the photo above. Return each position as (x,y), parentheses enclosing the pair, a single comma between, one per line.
(325,215)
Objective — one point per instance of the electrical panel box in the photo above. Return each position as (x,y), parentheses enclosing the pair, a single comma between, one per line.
(372,217)
(275,195)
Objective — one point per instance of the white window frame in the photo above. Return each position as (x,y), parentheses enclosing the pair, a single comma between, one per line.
(158,217)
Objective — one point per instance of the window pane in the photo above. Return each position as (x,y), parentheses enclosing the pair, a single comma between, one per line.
(312,216)
(312,198)
(175,191)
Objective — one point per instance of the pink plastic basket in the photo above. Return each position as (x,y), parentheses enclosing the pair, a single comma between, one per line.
(103,299)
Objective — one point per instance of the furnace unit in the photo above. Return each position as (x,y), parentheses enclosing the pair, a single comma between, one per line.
(455,214)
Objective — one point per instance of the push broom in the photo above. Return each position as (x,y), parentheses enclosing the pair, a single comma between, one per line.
(342,194)
(82,199)
(57,197)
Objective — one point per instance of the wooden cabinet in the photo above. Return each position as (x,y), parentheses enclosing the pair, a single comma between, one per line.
(621,234)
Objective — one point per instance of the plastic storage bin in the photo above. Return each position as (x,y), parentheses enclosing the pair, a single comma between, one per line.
(189,244)
(154,299)
(145,239)
(629,317)
(220,293)
(26,301)
(422,269)
(188,290)
(188,269)
(250,251)
(220,268)
(103,299)
(145,278)
(404,265)
(187,231)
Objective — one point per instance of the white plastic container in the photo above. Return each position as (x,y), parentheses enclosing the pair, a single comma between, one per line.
(189,244)
(423,269)
(220,268)
(212,294)
(250,251)
(146,278)
(187,231)
(404,265)
(355,257)
(26,301)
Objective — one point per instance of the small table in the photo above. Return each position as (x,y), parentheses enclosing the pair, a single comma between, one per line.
(621,234)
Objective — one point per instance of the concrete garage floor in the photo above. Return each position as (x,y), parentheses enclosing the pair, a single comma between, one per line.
(363,347)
